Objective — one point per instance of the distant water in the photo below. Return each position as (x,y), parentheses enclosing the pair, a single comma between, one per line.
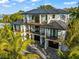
(2,24)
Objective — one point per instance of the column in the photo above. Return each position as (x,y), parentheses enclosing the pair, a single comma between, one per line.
(40,40)
(46,40)
(46,43)
(24,28)
(30,31)
(40,18)
(13,28)
(59,46)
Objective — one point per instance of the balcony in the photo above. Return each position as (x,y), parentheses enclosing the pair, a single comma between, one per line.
(17,30)
(52,37)
(31,21)
(42,33)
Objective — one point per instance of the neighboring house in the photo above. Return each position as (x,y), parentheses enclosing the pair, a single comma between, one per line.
(3,24)
(48,27)
(1,17)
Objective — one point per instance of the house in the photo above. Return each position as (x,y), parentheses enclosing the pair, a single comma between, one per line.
(47,27)
(1,17)
(3,24)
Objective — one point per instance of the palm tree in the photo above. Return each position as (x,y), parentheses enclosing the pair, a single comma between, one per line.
(47,7)
(16,16)
(6,18)
(72,41)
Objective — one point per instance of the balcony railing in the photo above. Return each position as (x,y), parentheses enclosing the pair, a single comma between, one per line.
(52,37)
(31,21)
(17,30)
(42,33)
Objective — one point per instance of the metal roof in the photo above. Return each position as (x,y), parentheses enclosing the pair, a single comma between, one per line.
(45,11)
(19,22)
(60,25)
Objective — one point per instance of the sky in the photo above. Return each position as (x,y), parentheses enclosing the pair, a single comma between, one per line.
(12,6)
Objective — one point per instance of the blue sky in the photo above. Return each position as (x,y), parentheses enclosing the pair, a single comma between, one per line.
(12,6)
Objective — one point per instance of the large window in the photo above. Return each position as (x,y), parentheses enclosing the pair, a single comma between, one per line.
(53,33)
(62,16)
(44,18)
(50,33)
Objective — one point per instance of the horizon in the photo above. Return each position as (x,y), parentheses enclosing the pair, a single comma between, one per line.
(12,6)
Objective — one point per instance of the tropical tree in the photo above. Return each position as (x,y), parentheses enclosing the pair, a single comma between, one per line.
(12,46)
(6,18)
(17,16)
(47,7)
(72,41)
(74,11)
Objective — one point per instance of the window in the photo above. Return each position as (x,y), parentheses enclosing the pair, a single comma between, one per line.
(62,16)
(53,16)
(33,16)
(44,18)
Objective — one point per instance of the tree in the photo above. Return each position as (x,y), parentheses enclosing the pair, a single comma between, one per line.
(72,41)
(74,11)
(47,7)
(6,18)
(16,16)
(12,45)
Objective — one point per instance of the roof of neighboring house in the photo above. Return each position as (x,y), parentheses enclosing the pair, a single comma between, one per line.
(60,25)
(19,22)
(45,11)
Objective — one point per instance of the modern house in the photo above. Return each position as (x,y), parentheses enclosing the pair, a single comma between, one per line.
(47,27)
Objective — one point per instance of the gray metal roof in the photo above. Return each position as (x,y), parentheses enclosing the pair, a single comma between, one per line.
(19,22)
(60,25)
(44,11)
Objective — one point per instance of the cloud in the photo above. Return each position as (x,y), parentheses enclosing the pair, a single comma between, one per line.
(6,5)
(20,1)
(35,0)
(13,3)
(4,1)
(33,3)
(70,3)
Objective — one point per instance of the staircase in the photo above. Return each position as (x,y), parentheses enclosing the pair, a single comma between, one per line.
(50,53)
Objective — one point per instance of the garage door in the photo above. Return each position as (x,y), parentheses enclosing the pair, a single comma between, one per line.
(53,44)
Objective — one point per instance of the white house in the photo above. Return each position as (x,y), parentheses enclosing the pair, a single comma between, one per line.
(48,27)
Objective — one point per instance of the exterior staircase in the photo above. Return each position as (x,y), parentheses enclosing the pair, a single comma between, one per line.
(50,53)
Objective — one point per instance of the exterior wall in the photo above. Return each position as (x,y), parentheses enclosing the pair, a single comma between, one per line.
(61,33)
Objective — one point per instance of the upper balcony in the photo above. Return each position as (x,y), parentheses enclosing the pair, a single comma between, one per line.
(46,18)
(36,19)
